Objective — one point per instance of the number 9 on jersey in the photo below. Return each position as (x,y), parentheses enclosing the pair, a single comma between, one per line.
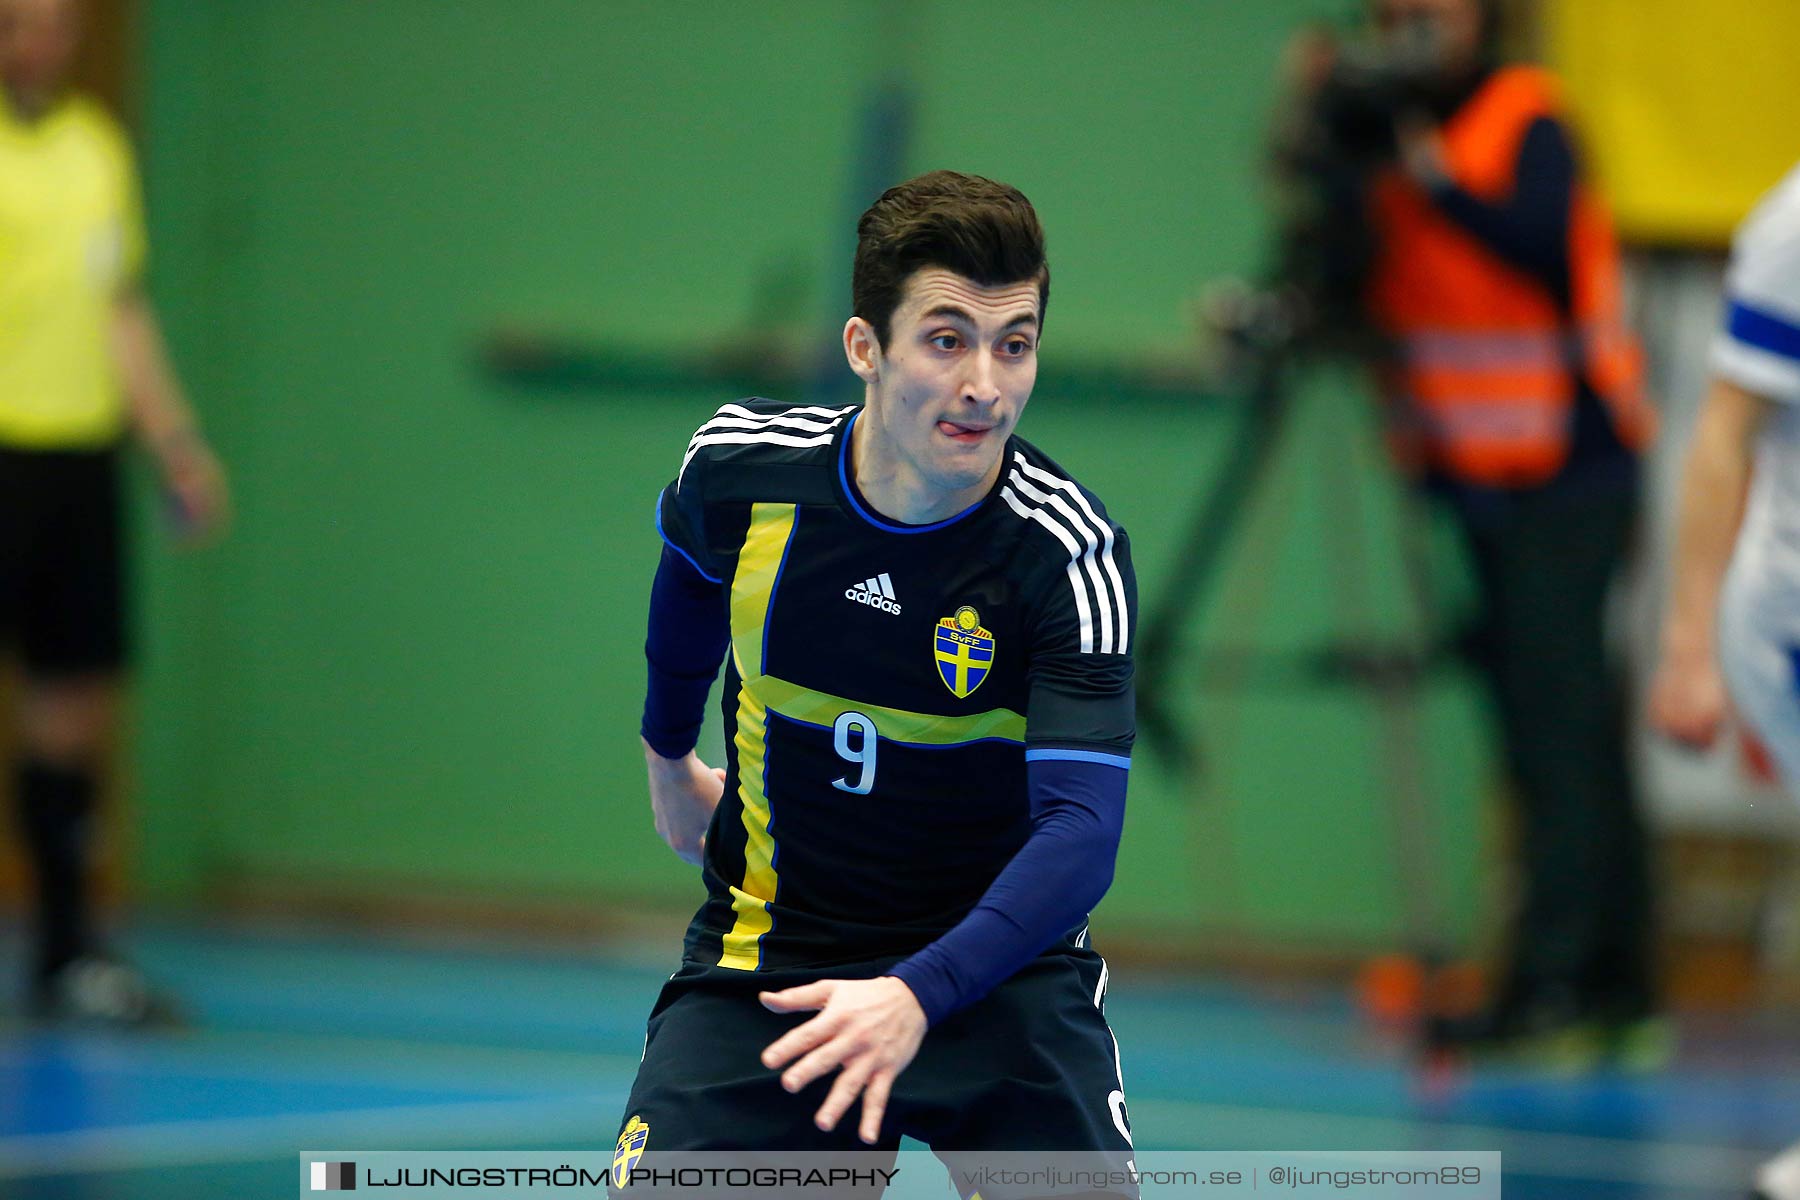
(863,755)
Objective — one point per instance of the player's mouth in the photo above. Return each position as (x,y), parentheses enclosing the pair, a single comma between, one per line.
(965,435)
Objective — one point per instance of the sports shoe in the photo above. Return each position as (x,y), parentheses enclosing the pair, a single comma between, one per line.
(1557,1036)
(96,990)
(1643,1045)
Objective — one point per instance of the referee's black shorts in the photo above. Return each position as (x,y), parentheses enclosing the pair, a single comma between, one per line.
(62,551)
(1031,1067)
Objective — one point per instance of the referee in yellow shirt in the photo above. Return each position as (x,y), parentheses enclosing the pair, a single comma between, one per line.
(81,364)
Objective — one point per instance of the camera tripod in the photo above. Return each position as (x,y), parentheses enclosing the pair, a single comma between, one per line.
(1272,342)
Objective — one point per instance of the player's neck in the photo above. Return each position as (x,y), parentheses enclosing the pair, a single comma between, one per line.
(893,487)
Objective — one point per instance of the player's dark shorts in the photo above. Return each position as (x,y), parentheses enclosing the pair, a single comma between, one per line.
(62,552)
(1031,1067)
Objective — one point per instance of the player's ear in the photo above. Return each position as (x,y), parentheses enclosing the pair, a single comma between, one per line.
(863,349)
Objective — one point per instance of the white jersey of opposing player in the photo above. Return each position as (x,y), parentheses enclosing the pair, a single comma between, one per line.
(1758,349)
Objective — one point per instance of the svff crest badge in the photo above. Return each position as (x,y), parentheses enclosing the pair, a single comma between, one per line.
(964,651)
(629,1150)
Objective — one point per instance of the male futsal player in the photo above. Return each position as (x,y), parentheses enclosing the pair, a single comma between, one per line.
(928,712)
(1734,620)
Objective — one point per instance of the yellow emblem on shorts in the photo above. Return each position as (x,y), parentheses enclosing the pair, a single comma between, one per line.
(964,651)
(629,1150)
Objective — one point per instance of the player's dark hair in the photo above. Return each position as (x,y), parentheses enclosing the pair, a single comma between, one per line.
(980,229)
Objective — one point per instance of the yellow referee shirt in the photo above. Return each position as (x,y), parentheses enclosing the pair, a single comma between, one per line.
(71,235)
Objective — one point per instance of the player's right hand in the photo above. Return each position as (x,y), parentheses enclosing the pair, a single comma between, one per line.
(1688,700)
(683,793)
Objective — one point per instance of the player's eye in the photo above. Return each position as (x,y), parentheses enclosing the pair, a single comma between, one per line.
(1018,347)
(946,341)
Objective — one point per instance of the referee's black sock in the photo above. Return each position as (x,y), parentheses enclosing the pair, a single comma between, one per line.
(56,805)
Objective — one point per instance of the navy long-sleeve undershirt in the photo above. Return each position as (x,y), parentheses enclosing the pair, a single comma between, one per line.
(689,631)
(1056,878)
(1529,228)
(1049,886)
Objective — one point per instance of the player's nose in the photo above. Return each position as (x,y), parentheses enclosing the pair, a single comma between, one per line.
(982,386)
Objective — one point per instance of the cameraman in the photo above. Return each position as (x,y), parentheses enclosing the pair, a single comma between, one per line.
(1488,272)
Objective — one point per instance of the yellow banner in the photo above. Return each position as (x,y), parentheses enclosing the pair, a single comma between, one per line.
(1687,112)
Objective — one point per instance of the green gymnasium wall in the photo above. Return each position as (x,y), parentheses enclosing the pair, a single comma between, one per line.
(416,663)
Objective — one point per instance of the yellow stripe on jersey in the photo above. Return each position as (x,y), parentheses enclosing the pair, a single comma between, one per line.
(752,588)
(759,561)
(751,901)
(894,724)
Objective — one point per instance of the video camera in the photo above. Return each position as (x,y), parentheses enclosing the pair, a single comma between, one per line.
(1370,86)
(1324,154)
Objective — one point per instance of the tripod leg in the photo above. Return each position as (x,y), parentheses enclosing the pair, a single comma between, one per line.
(1396,678)
(1201,555)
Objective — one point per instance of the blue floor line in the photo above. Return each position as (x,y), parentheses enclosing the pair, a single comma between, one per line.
(297,1026)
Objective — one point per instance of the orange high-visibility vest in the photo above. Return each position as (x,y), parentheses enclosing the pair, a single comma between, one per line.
(1483,379)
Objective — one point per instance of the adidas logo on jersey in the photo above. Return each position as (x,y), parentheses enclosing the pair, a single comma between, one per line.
(876,593)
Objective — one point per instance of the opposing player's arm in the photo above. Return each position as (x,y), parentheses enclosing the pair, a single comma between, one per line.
(689,630)
(1688,700)
(1756,365)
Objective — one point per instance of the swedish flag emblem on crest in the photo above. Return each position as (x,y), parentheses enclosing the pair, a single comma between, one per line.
(964,651)
(629,1150)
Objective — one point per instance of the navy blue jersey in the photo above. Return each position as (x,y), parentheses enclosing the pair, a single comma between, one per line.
(886,683)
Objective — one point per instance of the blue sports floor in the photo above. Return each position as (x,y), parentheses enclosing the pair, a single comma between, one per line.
(307,1041)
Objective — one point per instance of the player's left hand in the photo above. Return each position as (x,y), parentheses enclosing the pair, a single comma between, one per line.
(869,1027)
